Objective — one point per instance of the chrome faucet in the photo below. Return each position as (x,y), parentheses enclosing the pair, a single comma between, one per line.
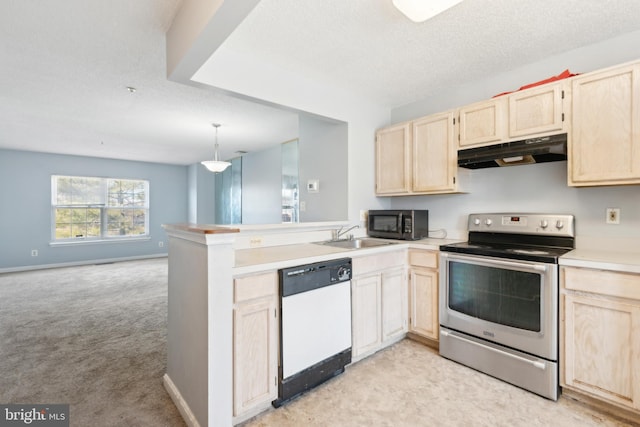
(335,234)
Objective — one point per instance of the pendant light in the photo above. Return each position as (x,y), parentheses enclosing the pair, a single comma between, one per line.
(421,10)
(216,165)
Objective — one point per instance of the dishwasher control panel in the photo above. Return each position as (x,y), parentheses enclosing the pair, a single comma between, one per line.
(303,278)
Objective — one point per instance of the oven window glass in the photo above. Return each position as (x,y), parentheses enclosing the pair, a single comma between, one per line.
(385,223)
(498,295)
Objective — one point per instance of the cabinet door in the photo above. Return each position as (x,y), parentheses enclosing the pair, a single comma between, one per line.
(394,304)
(393,165)
(602,348)
(423,300)
(483,123)
(536,111)
(255,343)
(435,157)
(365,314)
(605,146)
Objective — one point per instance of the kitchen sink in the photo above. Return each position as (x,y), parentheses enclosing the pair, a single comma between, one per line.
(356,243)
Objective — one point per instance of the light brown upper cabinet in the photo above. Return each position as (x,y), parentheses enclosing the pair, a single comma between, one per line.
(418,157)
(536,111)
(483,123)
(605,146)
(393,160)
(530,113)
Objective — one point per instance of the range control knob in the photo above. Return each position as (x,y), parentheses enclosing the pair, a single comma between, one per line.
(559,224)
(544,223)
(488,222)
(476,221)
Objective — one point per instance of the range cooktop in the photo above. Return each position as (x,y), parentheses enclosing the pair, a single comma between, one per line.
(529,237)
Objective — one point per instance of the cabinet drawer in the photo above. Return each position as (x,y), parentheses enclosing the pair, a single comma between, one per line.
(421,258)
(382,261)
(255,286)
(611,283)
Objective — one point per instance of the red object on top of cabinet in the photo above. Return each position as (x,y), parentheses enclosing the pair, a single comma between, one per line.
(563,75)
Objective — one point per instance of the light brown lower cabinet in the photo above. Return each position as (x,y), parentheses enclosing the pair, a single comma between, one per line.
(378,301)
(423,293)
(255,344)
(600,330)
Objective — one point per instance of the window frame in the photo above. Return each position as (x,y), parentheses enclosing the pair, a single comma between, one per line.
(104,207)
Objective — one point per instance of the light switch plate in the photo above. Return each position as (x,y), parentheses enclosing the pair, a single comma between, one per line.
(313,186)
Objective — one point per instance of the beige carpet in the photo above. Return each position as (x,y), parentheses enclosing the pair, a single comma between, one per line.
(95,337)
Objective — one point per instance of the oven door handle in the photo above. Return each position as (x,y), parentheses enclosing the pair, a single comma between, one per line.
(535,363)
(496,262)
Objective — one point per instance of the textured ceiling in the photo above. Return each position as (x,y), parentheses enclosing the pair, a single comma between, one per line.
(372,49)
(66,66)
(65,69)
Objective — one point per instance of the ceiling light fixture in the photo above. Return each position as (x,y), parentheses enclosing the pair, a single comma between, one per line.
(215,165)
(421,10)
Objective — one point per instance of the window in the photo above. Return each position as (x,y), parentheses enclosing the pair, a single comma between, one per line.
(88,208)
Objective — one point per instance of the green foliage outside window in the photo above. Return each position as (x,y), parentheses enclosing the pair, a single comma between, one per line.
(99,208)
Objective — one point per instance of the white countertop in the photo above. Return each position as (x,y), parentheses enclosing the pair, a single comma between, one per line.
(276,257)
(628,262)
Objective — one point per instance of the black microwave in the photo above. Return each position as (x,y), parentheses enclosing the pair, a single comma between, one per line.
(399,224)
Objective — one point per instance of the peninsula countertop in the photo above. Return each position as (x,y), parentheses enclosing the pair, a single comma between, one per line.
(275,257)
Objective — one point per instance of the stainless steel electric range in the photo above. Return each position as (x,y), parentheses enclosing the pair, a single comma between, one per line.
(499,297)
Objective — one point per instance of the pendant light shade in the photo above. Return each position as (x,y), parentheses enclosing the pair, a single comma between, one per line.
(421,10)
(215,165)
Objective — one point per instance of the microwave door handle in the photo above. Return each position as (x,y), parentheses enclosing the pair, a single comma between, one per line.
(495,262)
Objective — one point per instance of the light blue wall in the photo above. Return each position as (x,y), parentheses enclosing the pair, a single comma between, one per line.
(531,188)
(262,186)
(25,207)
(323,156)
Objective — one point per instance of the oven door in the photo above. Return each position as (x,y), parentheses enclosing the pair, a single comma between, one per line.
(509,302)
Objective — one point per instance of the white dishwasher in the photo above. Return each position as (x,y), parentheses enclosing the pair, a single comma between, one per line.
(315,325)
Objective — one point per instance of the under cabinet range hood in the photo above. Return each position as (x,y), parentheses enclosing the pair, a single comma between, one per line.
(525,152)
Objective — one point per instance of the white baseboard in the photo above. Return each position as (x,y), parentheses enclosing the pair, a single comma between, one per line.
(180,403)
(78,263)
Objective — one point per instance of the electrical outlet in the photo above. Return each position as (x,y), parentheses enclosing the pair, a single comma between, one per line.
(34,252)
(255,242)
(161,244)
(613,215)
(363,215)
(303,206)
